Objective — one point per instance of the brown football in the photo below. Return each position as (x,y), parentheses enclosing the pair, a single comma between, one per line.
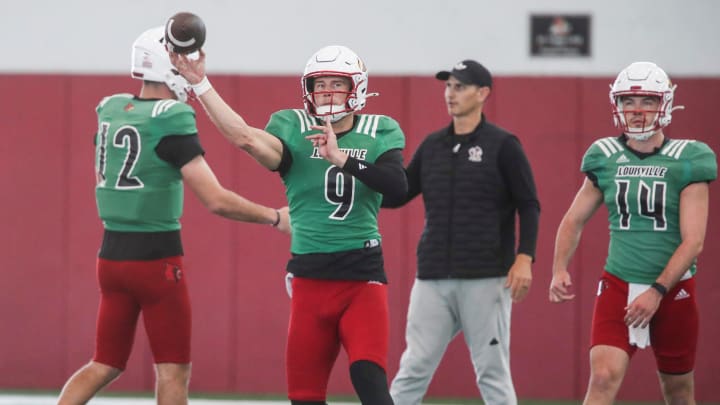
(184,33)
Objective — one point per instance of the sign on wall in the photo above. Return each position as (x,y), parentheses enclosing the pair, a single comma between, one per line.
(560,35)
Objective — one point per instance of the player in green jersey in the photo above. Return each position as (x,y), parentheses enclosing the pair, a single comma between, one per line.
(656,192)
(336,165)
(146,148)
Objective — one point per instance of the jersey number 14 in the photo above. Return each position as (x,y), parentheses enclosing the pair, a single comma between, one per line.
(651,203)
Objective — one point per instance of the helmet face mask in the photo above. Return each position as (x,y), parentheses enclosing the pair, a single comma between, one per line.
(151,62)
(642,79)
(335,61)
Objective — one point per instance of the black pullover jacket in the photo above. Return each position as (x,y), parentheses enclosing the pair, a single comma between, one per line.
(472,186)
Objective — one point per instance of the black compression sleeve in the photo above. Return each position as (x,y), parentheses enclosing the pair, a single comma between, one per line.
(593,178)
(518,176)
(179,149)
(386,175)
(285,161)
(412,172)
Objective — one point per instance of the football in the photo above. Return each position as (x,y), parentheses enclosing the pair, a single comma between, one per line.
(184,33)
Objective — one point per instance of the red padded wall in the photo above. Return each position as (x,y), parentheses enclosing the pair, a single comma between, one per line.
(51,234)
(33,303)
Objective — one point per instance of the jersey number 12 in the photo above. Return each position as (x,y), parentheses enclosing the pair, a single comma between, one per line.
(126,137)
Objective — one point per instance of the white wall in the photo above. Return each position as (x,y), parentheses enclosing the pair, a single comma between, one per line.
(392,36)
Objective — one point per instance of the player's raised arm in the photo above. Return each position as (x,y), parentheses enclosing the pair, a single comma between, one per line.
(264,147)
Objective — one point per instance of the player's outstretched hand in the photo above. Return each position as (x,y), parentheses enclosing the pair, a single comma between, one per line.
(193,70)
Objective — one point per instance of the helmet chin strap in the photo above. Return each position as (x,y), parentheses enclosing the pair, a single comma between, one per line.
(327,111)
(641,136)
(178,85)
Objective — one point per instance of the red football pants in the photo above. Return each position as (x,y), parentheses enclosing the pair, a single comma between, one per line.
(158,289)
(673,328)
(326,314)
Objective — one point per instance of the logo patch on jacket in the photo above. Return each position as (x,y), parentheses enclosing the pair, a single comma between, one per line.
(475,154)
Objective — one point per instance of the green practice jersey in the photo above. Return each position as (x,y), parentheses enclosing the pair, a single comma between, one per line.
(643,200)
(332,211)
(136,190)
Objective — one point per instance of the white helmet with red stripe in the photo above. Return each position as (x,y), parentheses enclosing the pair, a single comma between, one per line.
(643,79)
(151,62)
(335,60)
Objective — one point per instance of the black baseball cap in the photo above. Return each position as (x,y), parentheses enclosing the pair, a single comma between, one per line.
(468,72)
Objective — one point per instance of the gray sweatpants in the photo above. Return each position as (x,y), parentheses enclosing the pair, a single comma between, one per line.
(438,311)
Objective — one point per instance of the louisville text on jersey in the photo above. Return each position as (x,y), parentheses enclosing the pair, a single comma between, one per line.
(358,154)
(641,171)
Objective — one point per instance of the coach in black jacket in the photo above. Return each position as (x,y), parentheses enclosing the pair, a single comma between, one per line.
(474,178)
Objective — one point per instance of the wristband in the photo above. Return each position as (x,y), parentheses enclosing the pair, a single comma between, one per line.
(277,221)
(659,288)
(202,87)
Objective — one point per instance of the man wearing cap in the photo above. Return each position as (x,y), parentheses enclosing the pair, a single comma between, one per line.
(475,179)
